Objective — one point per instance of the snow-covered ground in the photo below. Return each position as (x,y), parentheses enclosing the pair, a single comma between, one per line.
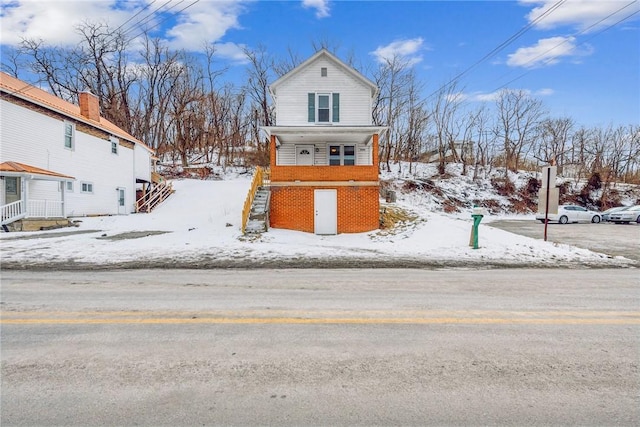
(202,223)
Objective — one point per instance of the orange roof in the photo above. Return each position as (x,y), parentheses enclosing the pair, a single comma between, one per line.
(28,92)
(20,168)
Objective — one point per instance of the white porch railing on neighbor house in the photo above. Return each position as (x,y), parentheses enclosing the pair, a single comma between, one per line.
(12,212)
(35,209)
(44,209)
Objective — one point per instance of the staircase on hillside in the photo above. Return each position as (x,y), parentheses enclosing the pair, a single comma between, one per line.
(255,214)
(259,215)
(158,192)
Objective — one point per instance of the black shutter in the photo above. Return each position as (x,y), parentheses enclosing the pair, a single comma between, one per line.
(312,107)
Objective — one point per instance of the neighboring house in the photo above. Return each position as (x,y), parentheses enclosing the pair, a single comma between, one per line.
(324,149)
(58,159)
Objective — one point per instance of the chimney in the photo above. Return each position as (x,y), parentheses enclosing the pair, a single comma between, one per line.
(89,107)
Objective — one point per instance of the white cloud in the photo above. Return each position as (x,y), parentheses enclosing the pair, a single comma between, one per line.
(185,24)
(406,50)
(493,96)
(204,22)
(321,7)
(231,51)
(581,14)
(545,52)
(457,97)
(545,92)
(55,21)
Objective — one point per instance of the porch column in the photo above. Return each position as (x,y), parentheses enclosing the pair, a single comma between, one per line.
(375,149)
(63,186)
(272,152)
(23,193)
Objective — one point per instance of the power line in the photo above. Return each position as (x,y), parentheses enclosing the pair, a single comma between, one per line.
(136,14)
(500,47)
(149,17)
(579,44)
(165,19)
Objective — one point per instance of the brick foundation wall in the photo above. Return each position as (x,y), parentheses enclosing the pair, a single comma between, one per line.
(358,208)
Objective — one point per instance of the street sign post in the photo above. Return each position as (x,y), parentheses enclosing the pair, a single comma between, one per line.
(549,195)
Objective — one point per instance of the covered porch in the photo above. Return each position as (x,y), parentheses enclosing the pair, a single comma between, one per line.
(324,153)
(17,203)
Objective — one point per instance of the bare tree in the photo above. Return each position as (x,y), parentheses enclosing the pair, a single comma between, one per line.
(394,78)
(12,61)
(444,111)
(158,74)
(259,73)
(284,65)
(553,140)
(519,116)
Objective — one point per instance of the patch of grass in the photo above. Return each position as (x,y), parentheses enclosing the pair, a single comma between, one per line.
(393,216)
(395,221)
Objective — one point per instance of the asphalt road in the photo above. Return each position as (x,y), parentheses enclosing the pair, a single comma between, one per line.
(321,347)
(608,238)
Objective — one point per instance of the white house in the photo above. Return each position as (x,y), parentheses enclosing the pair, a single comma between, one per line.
(61,160)
(324,149)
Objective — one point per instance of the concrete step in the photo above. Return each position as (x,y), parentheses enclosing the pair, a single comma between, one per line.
(255,226)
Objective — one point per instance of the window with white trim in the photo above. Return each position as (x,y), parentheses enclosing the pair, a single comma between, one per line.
(69,135)
(342,155)
(69,186)
(114,145)
(86,187)
(323,107)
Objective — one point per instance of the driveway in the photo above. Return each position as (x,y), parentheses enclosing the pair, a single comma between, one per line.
(608,238)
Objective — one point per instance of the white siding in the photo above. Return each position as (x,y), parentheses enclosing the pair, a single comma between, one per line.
(355,96)
(142,158)
(38,140)
(286,154)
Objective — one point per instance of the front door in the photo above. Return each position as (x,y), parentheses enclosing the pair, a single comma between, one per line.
(325,205)
(304,155)
(122,209)
(12,189)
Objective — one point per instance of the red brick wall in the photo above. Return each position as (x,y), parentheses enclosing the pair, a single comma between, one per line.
(358,208)
(292,206)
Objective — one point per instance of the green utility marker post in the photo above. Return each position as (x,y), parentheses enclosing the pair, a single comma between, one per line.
(477,215)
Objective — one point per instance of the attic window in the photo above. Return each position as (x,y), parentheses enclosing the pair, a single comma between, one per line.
(323,72)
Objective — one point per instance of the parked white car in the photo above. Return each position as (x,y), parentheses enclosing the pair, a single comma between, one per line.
(571,213)
(606,215)
(631,214)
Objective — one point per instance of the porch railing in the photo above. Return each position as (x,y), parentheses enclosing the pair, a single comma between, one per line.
(156,195)
(12,212)
(44,209)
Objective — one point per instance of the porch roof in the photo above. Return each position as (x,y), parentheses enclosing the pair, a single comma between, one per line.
(323,133)
(32,172)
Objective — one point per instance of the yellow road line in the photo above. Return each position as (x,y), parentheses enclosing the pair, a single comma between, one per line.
(319,320)
(320,313)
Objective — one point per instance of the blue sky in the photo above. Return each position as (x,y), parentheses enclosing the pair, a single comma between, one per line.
(581,58)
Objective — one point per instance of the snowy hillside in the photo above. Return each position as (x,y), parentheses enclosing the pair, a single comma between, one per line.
(456,193)
(199,226)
